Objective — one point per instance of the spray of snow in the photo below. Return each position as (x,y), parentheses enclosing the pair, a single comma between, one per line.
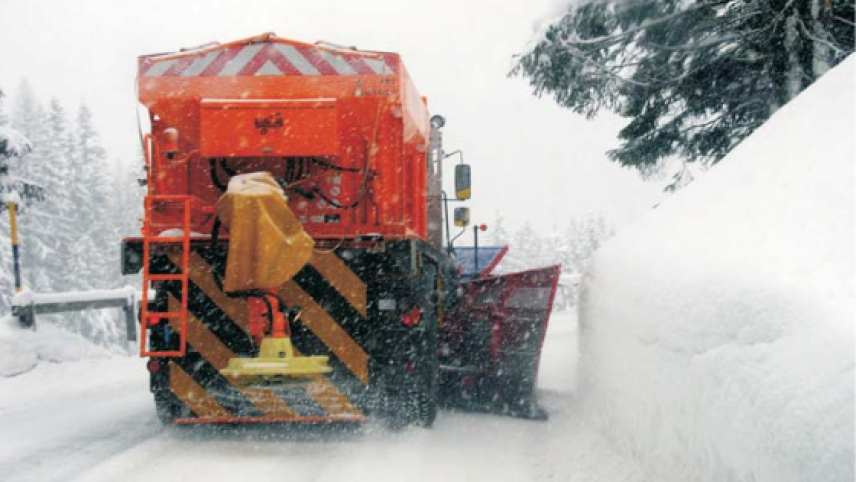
(717,334)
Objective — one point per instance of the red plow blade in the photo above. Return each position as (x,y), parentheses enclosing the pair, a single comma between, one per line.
(491,343)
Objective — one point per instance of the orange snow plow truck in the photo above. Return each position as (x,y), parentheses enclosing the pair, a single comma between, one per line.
(293,253)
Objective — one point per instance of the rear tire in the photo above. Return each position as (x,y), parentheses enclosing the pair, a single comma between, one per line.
(426,397)
(416,402)
(166,409)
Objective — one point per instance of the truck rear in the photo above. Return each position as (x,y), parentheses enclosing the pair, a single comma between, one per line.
(293,246)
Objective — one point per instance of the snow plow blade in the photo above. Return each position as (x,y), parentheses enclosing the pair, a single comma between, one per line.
(491,343)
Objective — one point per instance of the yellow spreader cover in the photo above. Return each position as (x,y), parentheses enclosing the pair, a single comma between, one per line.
(267,244)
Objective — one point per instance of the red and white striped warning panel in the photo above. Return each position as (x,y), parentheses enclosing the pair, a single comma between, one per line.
(268,59)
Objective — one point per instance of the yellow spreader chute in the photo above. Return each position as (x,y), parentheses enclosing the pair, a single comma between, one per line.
(267,247)
(276,359)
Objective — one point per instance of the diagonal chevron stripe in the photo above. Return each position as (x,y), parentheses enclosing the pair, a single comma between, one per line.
(341,345)
(236,64)
(200,275)
(349,285)
(159,68)
(193,395)
(297,59)
(328,396)
(209,345)
(200,64)
(338,63)
(378,66)
(340,276)
(198,335)
(251,60)
(268,69)
(212,349)
(269,403)
(330,300)
(235,337)
(217,386)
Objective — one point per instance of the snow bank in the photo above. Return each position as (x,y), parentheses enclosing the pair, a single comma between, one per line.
(22,350)
(717,335)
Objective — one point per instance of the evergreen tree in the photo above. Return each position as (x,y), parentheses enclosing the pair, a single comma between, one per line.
(128,206)
(695,77)
(13,148)
(498,235)
(49,224)
(93,256)
(27,118)
(35,218)
(527,244)
(26,115)
(69,241)
(91,196)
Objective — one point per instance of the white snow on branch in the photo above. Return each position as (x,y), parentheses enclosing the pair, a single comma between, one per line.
(13,143)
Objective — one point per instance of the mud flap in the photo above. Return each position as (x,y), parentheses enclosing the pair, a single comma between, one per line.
(491,343)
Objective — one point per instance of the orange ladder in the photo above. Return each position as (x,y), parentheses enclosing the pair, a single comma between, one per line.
(151,318)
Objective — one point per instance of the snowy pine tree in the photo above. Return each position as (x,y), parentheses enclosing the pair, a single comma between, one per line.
(527,244)
(27,118)
(497,234)
(70,242)
(695,77)
(128,204)
(93,256)
(49,226)
(13,148)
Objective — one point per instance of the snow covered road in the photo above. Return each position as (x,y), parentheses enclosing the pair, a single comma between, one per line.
(59,419)
(94,420)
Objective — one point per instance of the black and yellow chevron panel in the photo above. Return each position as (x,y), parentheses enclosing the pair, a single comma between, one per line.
(334,322)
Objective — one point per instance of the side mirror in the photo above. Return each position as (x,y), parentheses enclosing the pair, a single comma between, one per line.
(462,182)
(462,217)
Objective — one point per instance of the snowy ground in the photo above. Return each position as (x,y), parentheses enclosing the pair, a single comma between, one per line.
(23,350)
(93,420)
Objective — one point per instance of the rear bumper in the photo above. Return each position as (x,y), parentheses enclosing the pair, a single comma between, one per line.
(237,420)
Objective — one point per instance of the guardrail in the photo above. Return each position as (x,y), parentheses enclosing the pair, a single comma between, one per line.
(27,304)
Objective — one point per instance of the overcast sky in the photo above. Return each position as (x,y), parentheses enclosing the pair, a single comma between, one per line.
(531,160)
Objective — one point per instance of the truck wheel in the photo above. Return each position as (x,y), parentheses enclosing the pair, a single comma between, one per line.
(166,409)
(418,400)
(416,403)
(427,400)
(413,401)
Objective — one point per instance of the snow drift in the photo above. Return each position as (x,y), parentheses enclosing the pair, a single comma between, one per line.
(22,350)
(717,334)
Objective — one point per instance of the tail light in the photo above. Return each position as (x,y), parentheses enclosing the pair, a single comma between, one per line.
(153,365)
(411,317)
